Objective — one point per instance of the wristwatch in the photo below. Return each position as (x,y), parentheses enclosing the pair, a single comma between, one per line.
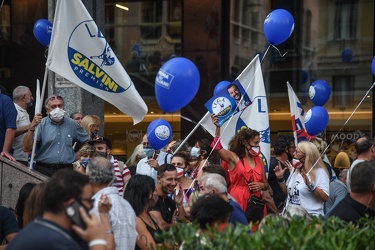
(312,186)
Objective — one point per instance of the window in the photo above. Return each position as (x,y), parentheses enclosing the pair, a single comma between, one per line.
(345,19)
(343,91)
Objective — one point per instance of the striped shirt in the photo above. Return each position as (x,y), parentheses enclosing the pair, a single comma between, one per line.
(119,182)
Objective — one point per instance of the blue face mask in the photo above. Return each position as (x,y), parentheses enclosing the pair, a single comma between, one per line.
(195,152)
(149,152)
(30,103)
(84,162)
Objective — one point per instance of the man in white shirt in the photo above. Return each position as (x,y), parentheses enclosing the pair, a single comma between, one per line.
(121,216)
(23,99)
(364,146)
(153,160)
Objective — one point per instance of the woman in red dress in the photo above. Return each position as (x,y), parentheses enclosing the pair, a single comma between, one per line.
(245,168)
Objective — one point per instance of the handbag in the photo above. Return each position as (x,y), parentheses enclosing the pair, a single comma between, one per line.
(255,209)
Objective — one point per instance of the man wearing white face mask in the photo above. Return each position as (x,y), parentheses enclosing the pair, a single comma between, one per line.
(153,160)
(55,138)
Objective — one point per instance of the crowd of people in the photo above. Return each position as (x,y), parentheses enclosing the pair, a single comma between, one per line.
(91,200)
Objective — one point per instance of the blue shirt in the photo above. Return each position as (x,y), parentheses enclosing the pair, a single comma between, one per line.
(237,216)
(55,142)
(8,117)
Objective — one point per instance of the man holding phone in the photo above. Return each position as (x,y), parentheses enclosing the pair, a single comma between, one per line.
(54,230)
(153,160)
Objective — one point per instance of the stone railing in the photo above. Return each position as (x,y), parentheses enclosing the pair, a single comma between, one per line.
(13,176)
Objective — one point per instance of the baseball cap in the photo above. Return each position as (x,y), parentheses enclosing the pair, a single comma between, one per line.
(101,139)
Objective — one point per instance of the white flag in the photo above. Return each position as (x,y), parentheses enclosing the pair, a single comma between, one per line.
(79,52)
(297,114)
(255,116)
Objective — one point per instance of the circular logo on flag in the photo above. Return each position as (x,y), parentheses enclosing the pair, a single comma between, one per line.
(92,59)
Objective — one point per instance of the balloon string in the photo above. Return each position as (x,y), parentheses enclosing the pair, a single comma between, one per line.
(265,53)
(347,120)
(1,7)
(282,55)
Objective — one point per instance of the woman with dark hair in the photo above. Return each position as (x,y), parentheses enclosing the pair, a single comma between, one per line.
(22,197)
(34,205)
(181,163)
(247,174)
(201,155)
(139,193)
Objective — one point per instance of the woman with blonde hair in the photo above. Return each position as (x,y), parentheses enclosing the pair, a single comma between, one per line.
(307,187)
(90,123)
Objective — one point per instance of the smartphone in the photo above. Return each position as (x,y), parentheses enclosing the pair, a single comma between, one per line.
(154,156)
(73,213)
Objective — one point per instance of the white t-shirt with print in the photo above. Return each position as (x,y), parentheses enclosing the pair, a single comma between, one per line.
(300,194)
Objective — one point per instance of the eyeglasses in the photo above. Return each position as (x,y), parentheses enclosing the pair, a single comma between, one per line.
(146,144)
(98,138)
(55,97)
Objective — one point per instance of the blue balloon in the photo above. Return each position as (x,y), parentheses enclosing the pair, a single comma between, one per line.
(347,55)
(221,85)
(43,31)
(373,66)
(316,120)
(176,84)
(278,26)
(159,132)
(319,92)
(305,76)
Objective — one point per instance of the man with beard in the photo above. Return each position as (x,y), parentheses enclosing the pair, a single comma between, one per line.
(103,147)
(284,148)
(54,142)
(165,210)
(242,102)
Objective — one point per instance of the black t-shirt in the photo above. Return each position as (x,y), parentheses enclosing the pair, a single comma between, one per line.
(350,210)
(166,208)
(8,223)
(278,195)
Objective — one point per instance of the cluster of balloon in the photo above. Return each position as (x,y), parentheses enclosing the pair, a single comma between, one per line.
(159,133)
(176,84)
(220,86)
(278,26)
(316,120)
(319,92)
(43,31)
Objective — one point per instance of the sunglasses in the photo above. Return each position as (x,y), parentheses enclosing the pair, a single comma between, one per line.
(98,137)
(55,97)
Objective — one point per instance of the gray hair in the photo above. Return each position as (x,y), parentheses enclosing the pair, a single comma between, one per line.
(215,181)
(100,171)
(19,92)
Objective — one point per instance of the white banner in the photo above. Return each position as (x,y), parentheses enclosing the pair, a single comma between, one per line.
(255,116)
(79,52)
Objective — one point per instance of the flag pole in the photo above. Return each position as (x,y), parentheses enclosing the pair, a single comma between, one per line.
(192,131)
(38,109)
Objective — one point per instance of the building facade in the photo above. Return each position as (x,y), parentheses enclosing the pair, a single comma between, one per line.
(332,41)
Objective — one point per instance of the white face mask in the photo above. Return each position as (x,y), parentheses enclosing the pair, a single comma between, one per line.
(254,150)
(296,163)
(180,172)
(57,114)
